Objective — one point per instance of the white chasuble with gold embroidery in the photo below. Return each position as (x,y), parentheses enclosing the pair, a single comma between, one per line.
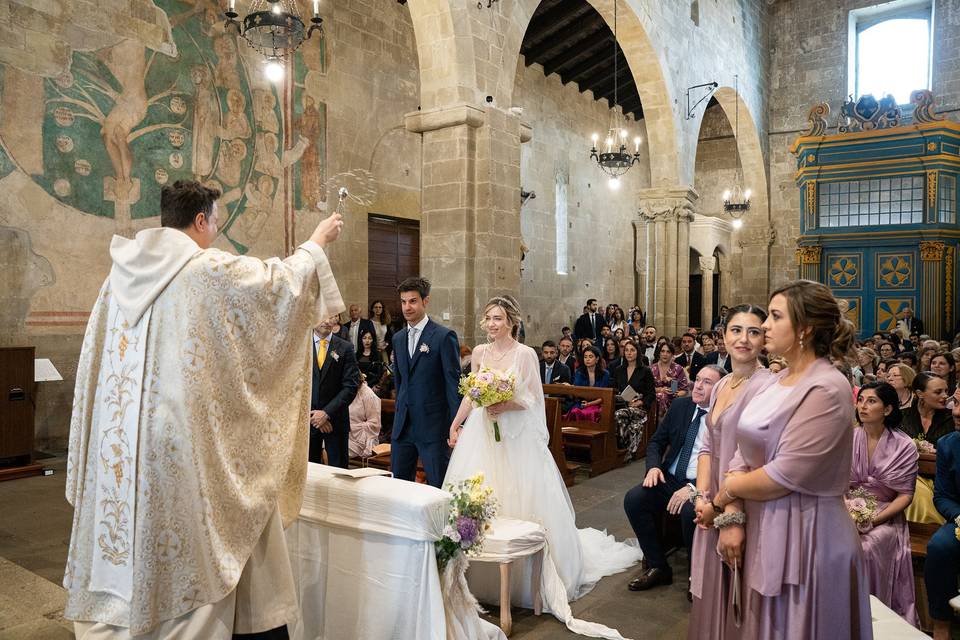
(190,423)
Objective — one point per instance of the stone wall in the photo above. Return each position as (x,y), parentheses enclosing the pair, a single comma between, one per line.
(809,65)
(101,106)
(600,232)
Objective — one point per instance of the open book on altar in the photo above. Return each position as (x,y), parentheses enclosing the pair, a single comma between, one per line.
(364,472)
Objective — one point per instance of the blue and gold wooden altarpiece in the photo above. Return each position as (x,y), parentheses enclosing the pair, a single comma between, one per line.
(879,212)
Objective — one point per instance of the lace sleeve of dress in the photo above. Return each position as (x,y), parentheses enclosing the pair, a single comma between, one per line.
(528,392)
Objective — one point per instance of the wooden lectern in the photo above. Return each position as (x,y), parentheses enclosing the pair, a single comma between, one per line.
(17,405)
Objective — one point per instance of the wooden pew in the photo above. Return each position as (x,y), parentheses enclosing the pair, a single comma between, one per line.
(920,534)
(597,440)
(555,429)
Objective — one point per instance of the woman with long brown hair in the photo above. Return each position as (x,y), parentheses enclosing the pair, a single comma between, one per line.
(802,559)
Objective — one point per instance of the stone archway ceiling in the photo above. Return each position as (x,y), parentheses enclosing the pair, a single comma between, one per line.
(569,38)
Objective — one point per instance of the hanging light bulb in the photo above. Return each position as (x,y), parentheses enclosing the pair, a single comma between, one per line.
(276,8)
(737,223)
(595,137)
(614,183)
(273,70)
(746,194)
(636,144)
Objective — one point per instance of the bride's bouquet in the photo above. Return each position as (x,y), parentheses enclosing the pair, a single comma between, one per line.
(471,510)
(488,387)
(862,506)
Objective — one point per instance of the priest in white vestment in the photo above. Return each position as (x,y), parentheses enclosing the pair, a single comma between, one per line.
(188,441)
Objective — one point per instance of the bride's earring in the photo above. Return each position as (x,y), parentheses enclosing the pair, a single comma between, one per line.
(801,343)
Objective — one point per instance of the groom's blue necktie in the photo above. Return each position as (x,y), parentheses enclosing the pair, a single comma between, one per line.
(683,460)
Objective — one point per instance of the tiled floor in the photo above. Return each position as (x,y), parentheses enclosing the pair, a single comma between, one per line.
(35,532)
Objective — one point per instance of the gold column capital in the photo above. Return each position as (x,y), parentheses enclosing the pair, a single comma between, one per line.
(931,250)
(809,255)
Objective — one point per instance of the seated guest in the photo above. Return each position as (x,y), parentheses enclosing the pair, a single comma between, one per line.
(928,419)
(380,318)
(632,415)
(648,343)
(885,464)
(900,377)
(566,332)
(885,350)
(618,335)
(718,323)
(924,356)
(635,327)
(368,357)
(591,373)
(566,356)
(611,352)
(867,360)
(335,381)
(617,321)
(945,366)
(908,358)
(364,421)
(882,367)
(552,371)
(719,357)
(354,327)
(707,344)
(682,429)
(942,566)
(669,378)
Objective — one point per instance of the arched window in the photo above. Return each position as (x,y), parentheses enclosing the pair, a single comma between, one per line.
(890,49)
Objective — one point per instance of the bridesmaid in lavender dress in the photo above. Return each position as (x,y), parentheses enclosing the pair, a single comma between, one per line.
(792,467)
(885,463)
(710,578)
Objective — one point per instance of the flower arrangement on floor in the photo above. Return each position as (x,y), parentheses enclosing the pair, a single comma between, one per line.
(488,387)
(471,510)
(862,506)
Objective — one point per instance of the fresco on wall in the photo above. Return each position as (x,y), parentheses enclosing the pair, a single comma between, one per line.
(125,120)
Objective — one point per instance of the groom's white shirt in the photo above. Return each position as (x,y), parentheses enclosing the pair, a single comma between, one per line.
(419,328)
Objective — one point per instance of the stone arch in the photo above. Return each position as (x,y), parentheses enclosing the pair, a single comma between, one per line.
(750,151)
(645,64)
(445,51)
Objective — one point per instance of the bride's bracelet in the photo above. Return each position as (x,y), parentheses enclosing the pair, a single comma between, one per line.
(729,519)
(693,493)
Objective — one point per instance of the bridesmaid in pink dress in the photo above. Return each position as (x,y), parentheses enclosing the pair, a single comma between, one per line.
(885,463)
(804,567)
(710,579)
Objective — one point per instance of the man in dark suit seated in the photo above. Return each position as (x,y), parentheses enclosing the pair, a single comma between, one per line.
(355,327)
(552,371)
(720,356)
(336,378)
(682,429)
(690,359)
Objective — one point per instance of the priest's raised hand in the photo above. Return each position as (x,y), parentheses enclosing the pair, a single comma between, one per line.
(188,441)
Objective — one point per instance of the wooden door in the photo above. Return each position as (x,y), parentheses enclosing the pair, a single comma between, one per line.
(393,255)
(16,402)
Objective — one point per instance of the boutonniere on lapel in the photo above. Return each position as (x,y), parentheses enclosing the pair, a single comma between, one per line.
(335,356)
(424,348)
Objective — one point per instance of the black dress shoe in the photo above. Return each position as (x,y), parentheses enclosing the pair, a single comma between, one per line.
(652,577)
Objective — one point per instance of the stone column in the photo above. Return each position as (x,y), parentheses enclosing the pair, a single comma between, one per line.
(808,261)
(470,222)
(707,266)
(931,305)
(667,214)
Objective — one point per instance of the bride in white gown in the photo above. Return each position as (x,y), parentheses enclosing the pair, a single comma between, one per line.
(526,482)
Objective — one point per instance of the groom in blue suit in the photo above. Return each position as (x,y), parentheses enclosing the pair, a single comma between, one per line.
(427,359)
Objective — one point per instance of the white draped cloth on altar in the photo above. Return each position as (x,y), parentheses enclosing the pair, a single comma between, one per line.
(528,486)
(364,564)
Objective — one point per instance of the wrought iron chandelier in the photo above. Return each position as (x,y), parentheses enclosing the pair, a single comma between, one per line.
(615,160)
(736,201)
(274,29)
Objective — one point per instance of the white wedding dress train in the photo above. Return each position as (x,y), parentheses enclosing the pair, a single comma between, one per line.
(528,486)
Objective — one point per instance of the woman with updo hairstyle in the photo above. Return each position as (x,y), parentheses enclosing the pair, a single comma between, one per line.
(521,472)
(885,464)
(802,561)
(928,419)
